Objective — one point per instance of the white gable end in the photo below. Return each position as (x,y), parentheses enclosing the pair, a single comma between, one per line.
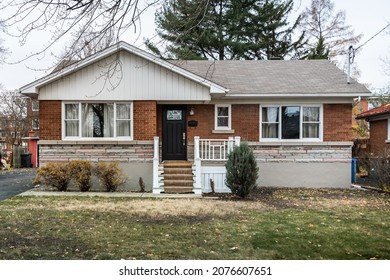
(129,78)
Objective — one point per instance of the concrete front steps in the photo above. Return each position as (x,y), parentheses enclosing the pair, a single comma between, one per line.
(178,177)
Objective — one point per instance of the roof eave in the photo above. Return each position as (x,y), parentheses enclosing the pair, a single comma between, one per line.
(374,117)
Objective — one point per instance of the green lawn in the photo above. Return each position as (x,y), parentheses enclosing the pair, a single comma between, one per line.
(276,224)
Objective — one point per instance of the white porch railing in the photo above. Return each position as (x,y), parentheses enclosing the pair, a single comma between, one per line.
(211,150)
(216,149)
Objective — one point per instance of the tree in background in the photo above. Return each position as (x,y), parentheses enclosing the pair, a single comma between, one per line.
(321,21)
(226,29)
(3,50)
(270,32)
(85,43)
(107,19)
(320,51)
(197,29)
(382,95)
(14,122)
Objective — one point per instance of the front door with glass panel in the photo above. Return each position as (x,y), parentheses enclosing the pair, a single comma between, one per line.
(174,133)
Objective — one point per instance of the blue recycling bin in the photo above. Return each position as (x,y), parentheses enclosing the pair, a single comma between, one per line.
(354,165)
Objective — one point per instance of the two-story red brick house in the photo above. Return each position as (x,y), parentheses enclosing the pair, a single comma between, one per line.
(124,104)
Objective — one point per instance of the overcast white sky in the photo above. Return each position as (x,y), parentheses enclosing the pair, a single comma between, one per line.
(366,17)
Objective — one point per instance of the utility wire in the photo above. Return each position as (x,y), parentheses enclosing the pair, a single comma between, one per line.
(372,37)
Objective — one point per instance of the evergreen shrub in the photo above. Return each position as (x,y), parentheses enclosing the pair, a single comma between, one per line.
(241,170)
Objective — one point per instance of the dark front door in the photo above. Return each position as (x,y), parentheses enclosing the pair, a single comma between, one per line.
(174,143)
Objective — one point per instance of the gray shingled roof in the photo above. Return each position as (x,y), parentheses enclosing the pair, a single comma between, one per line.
(274,76)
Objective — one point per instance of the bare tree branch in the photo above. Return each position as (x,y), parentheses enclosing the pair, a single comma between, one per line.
(67,18)
(14,122)
(321,21)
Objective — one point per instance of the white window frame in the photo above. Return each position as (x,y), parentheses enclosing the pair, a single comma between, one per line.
(63,121)
(36,107)
(301,139)
(131,121)
(229,127)
(81,138)
(388,130)
(33,122)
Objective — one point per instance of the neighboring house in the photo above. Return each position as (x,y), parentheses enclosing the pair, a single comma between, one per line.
(15,127)
(173,122)
(379,120)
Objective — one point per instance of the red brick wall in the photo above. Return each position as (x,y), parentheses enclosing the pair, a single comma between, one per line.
(245,122)
(145,120)
(337,122)
(378,137)
(50,120)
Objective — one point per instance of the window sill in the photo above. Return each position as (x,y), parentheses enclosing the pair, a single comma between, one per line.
(223,131)
(387,141)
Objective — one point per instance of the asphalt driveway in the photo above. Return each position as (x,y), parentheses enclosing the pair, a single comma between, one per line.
(16,181)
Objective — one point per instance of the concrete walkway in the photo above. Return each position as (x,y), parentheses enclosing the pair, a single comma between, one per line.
(108,194)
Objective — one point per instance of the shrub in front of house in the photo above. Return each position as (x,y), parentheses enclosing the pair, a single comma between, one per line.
(241,170)
(81,172)
(54,174)
(110,175)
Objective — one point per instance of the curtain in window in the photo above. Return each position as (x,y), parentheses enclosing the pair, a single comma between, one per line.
(71,120)
(311,122)
(123,122)
(97,120)
(87,120)
(108,120)
(270,117)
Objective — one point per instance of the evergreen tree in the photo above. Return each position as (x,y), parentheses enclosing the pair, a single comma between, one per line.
(270,33)
(227,29)
(320,51)
(241,170)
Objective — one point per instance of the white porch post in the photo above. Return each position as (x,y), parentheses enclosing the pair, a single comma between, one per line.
(230,144)
(237,140)
(198,167)
(156,149)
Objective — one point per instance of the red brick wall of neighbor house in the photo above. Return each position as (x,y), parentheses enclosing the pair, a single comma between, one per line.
(337,122)
(50,120)
(378,137)
(145,120)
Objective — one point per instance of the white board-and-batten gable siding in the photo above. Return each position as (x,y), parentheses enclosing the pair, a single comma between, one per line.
(135,79)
